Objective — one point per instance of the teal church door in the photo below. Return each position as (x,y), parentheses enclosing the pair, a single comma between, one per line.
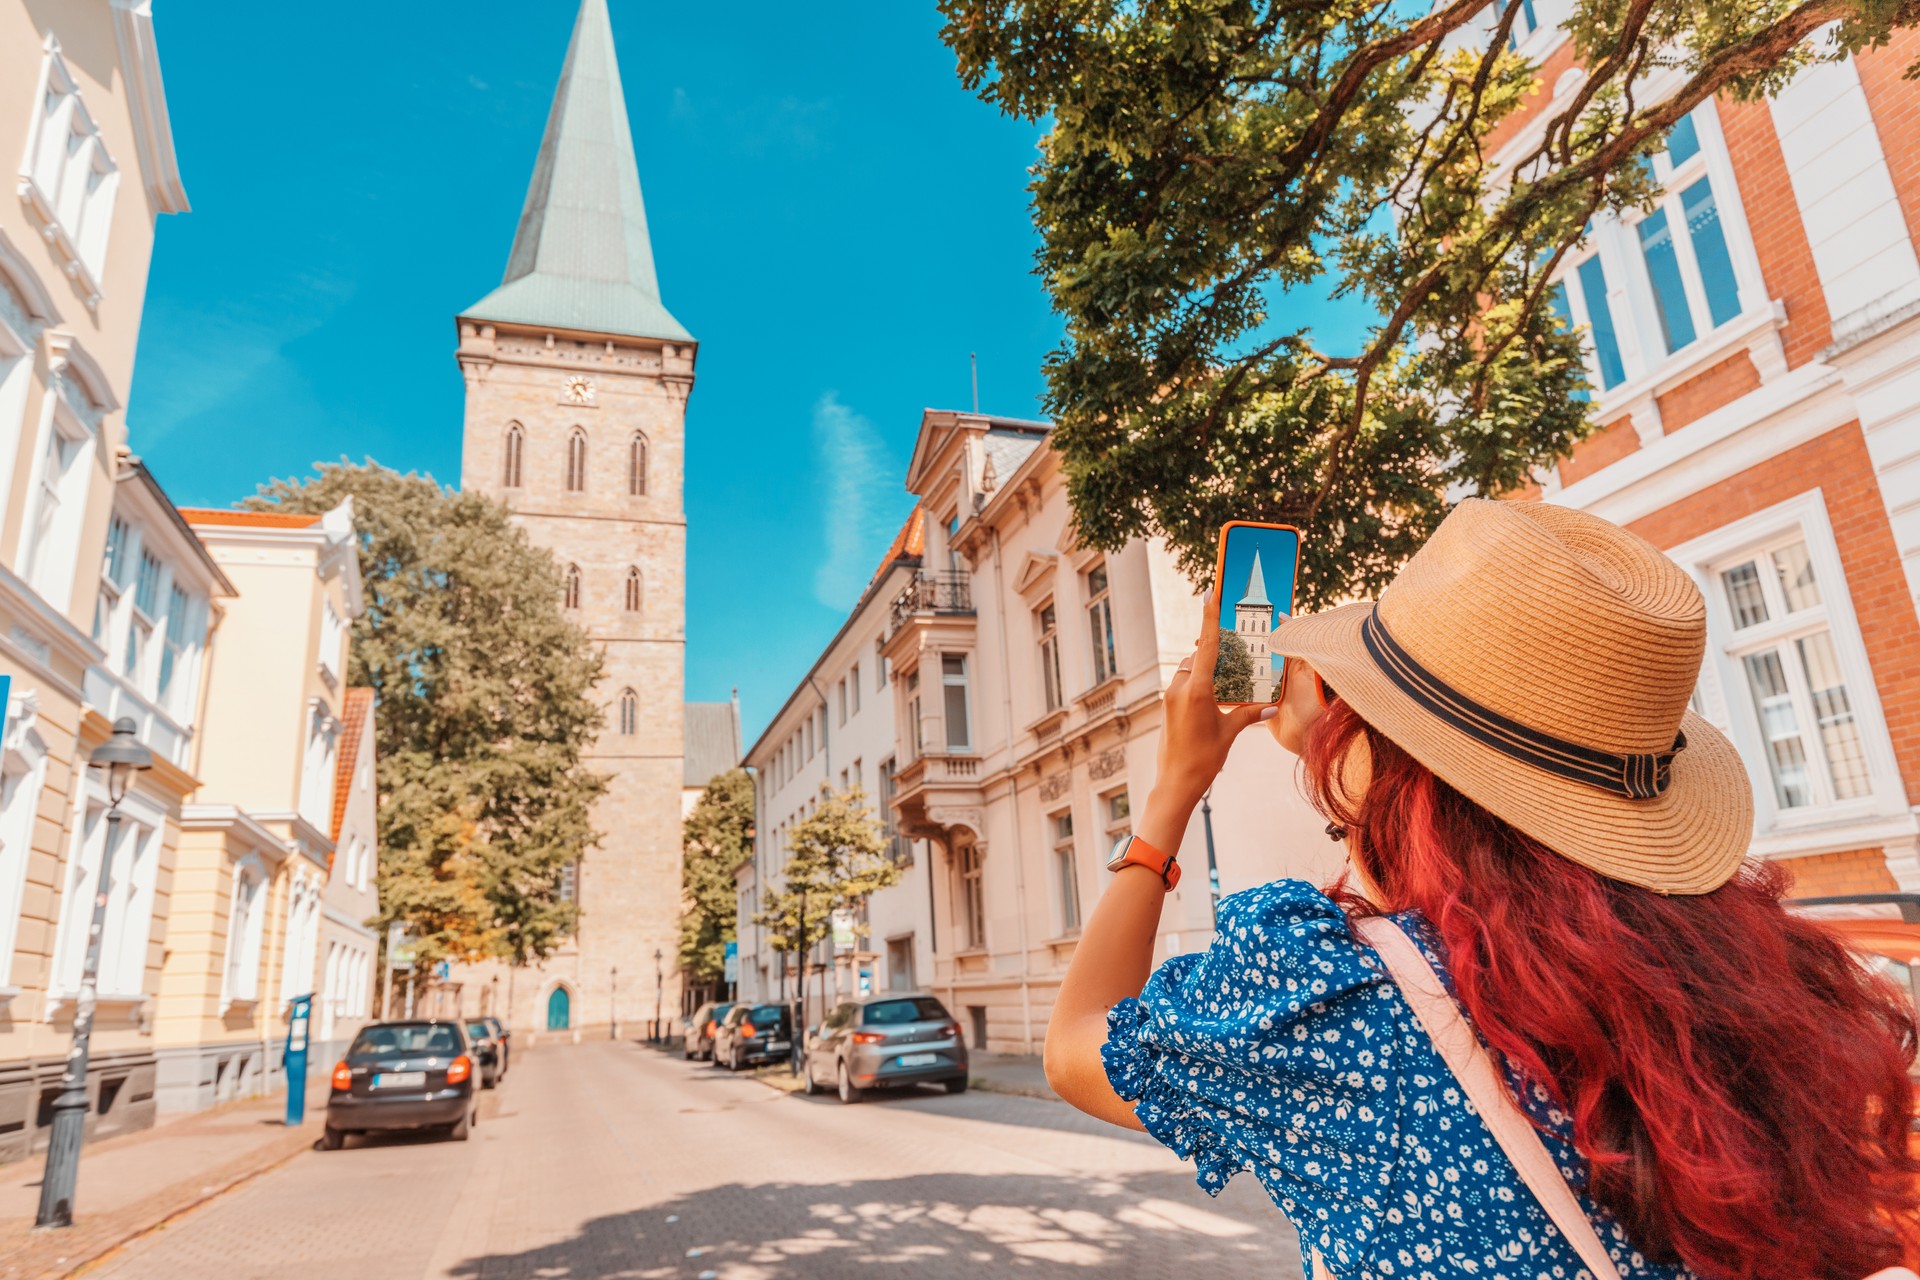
(559,1009)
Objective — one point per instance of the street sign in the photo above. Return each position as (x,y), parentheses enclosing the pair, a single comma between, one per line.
(442,971)
(733,962)
(6,682)
(400,946)
(843,930)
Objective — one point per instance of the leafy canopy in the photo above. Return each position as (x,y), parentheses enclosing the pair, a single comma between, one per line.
(483,707)
(836,857)
(714,841)
(1207,156)
(1233,669)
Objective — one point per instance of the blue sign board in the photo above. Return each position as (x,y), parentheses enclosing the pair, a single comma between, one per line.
(297,1016)
(733,962)
(6,682)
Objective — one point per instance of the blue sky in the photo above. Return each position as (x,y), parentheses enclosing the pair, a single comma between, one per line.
(833,217)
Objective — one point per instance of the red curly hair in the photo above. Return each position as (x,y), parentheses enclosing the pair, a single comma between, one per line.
(1737,1079)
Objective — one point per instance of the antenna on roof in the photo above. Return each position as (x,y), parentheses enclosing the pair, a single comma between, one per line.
(973,361)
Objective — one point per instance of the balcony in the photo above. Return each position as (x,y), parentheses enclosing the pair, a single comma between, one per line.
(936,792)
(935,593)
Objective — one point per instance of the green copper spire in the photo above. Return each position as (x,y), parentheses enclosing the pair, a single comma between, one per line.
(1256,587)
(581,257)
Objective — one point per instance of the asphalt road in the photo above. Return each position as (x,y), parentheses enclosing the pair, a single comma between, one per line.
(610,1160)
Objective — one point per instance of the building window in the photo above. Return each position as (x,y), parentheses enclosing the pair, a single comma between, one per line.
(577,461)
(973,904)
(317,769)
(22,768)
(916,735)
(811,747)
(516,448)
(1118,813)
(637,466)
(333,641)
(953,680)
(59,496)
(840,696)
(1684,245)
(1100,624)
(129,894)
(1581,299)
(1050,686)
(900,850)
(183,638)
(1784,655)
(1525,22)
(1066,872)
(244,922)
(70,180)
(629,713)
(879,665)
(570,588)
(570,880)
(113,577)
(633,590)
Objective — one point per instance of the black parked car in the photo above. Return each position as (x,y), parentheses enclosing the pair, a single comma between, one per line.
(402,1075)
(503,1034)
(753,1033)
(485,1049)
(698,1040)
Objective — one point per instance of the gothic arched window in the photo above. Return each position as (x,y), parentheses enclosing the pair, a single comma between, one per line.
(629,713)
(576,461)
(637,466)
(633,590)
(570,589)
(516,444)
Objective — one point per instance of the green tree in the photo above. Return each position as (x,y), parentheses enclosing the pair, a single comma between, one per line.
(713,843)
(1232,669)
(483,706)
(836,857)
(1206,156)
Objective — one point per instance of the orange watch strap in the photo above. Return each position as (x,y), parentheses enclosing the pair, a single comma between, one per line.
(1141,854)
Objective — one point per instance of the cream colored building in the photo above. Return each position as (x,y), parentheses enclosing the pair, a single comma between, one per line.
(1028,673)
(349,944)
(83,108)
(252,878)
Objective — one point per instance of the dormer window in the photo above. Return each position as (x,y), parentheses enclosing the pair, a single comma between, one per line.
(70,180)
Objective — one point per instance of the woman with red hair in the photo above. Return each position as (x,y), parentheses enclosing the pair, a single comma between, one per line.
(1661,1072)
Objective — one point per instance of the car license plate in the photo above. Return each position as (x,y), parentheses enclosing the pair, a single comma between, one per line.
(399,1079)
(779,1046)
(918,1059)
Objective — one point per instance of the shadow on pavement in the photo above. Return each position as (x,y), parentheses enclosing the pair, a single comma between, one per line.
(1147,1226)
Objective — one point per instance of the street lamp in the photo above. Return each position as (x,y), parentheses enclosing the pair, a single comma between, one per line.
(616,1002)
(121,755)
(658,981)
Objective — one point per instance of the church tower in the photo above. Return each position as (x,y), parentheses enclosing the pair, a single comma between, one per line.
(576,395)
(1253,620)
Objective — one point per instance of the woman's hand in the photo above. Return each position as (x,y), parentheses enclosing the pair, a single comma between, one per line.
(1198,734)
(1299,707)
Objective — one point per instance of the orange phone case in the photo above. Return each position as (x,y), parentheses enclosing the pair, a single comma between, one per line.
(1220,588)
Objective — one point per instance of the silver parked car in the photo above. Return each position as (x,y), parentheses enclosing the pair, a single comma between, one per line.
(883,1040)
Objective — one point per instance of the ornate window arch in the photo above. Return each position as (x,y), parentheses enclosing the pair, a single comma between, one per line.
(633,589)
(514,450)
(577,461)
(637,466)
(629,713)
(570,588)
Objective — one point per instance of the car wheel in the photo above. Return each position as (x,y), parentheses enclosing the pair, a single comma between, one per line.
(849,1092)
(332,1139)
(738,1063)
(956,1086)
(488,1079)
(460,1128)
(811,1085)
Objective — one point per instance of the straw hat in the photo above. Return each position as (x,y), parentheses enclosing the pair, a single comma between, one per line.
(1540,660)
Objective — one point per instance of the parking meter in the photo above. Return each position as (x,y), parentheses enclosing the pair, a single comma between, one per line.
(296,1058)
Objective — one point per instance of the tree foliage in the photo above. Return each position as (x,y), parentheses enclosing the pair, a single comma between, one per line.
(1207,156)
(1232,669)
(713,843)
(483,707)
(836,857)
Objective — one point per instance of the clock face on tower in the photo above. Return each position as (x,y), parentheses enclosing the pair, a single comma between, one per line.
(579,390)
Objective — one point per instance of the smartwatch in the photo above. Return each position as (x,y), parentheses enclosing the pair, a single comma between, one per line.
(1132,851)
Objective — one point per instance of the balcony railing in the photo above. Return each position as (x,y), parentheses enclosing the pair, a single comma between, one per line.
(933,593)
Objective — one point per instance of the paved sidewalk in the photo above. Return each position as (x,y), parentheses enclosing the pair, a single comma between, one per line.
(130,1184)
(1010,1073)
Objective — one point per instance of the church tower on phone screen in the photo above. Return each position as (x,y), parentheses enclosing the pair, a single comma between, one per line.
(577,380)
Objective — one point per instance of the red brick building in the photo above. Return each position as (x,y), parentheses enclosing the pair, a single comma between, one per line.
(1754,348)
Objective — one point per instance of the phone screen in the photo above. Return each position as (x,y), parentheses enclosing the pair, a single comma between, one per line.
(1256,569)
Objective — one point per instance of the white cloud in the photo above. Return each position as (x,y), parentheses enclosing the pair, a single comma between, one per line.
(859,484)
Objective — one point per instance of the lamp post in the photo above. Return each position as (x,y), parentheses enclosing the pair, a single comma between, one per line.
(120,755)
(615,998)
(659,982)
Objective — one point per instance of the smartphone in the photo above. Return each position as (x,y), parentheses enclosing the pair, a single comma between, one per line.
(1253,580)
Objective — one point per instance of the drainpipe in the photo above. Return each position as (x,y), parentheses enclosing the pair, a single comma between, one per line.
(1019,863)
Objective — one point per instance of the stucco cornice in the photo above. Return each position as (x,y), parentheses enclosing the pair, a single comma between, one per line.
(232,820)
(54,625)
(147,104)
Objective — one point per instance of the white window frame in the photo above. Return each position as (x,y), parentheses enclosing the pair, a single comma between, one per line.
(300,939)
(320,756)
(1064,860)
(130,898)
(49,540)
(1099,605)
(75,218)
(1722,696)
(240,972)
(1053,688)
(23,772)
(16,378)
(333,642)
(967,745)
(970,879)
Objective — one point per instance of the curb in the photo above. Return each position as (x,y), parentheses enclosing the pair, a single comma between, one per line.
(50,1255)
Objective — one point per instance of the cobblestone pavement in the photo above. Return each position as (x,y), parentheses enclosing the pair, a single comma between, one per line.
(610,1160)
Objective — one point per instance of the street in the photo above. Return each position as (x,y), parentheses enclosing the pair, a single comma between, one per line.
(612,1160)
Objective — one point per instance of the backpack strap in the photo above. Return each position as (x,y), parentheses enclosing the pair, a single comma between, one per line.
(1471,1065)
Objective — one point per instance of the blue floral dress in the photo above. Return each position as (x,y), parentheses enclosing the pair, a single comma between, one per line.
(1285,1049)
